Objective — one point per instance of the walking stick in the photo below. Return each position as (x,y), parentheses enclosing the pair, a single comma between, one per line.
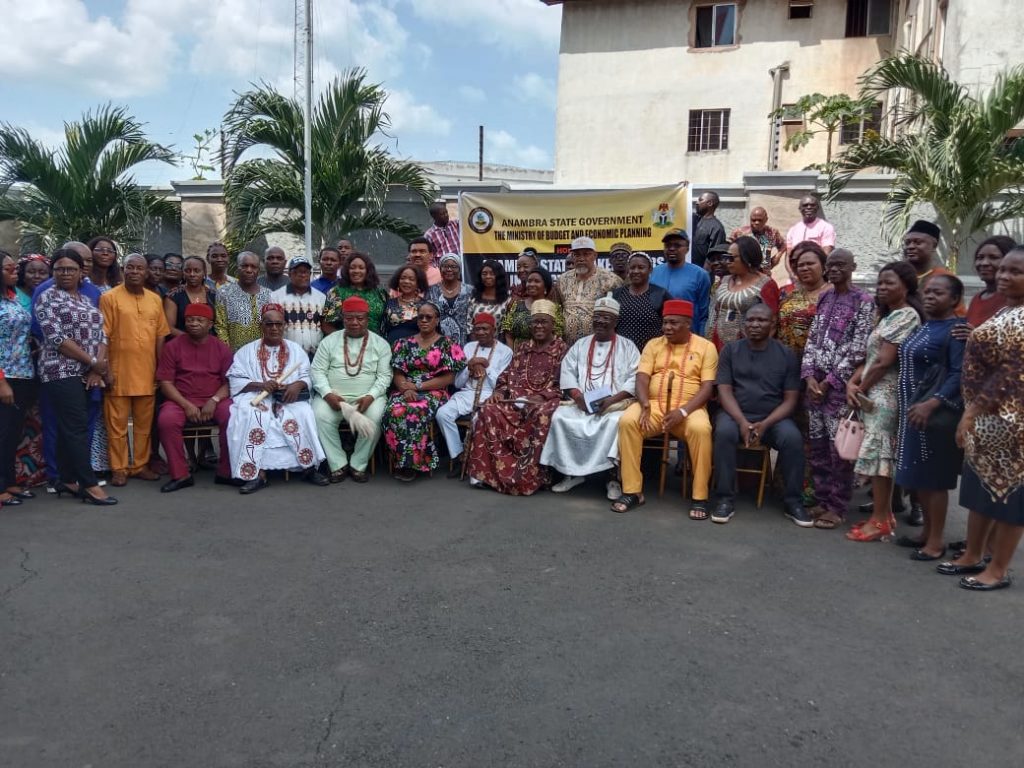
(263,395)
(472,423)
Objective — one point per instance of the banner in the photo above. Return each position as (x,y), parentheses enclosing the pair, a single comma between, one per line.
(500,225)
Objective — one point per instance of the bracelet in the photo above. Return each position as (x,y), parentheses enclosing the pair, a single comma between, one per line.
(683,411)
(215,399)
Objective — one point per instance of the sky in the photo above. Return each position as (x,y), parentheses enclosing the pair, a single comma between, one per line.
(176,64)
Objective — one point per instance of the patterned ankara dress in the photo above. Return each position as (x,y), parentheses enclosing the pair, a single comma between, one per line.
(407,425)
(509,436)
(725,321)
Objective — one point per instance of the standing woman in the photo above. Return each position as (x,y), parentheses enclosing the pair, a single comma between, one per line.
(451,296)
(18,389)
(987,259)
(873,388)
(745,286)
(193,291)
(30,466)
(929,461)
(517,325)
(73,361)
(526,263)
(401,311)
(800,301)
(490,294)
(357,276)
(424,367)
(991,433)
(106,267)
(33,271)
(640,302)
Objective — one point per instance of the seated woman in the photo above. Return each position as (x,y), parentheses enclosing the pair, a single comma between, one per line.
(424,366)
(513,424)
(516,326)
(929,461)
(400,312)
(356,277)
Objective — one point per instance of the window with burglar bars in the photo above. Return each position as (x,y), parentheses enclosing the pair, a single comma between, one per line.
(709,130)
(868,17)
(853,133)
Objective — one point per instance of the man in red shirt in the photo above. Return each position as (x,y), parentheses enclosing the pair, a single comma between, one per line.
(193,377)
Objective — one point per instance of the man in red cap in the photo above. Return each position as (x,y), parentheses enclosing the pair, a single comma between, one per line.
(674,382)
(193,379)
(351,366)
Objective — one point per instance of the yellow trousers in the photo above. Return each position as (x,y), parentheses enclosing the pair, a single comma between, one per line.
(695,430)
(116,410)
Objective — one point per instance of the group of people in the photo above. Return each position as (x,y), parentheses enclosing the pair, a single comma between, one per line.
(538,384)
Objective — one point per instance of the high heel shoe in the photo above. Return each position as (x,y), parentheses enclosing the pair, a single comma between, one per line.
(871,531)
(22,494)
(88,498)
(61,488)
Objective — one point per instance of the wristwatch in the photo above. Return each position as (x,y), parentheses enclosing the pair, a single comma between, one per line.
(683,411)
(215,399)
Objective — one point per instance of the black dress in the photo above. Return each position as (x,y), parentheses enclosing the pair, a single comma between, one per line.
(640,315)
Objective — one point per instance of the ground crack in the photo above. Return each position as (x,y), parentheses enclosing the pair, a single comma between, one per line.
(329,727)
(29,574)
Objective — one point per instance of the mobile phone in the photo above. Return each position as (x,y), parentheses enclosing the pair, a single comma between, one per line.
(866,403)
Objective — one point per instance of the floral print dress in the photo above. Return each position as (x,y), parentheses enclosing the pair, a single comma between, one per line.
(407,425)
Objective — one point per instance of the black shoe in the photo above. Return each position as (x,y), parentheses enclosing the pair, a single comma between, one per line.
(866,509)
(920,554)
(952,569)
(455,471)
(177,485)
(88,498)
(915,516)
(218,480)
(969,582)
(22,494)
(313,477)
(909,543)
(724,510)
(14,501)
(799,515)
(256,484)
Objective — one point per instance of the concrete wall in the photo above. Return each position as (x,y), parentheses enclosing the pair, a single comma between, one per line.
(628,79)
(982,38)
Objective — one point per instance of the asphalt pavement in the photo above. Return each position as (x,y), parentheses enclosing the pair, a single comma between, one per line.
(437,625)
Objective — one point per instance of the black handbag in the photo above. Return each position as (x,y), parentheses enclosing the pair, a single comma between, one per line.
(945,418)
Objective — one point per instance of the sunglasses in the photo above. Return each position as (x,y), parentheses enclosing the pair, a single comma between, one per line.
(426,317)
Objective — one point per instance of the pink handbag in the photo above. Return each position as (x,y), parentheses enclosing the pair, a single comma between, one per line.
(849,436)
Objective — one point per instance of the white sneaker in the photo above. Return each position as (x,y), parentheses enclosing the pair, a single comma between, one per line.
(614,490)
(567,484)
(474,483)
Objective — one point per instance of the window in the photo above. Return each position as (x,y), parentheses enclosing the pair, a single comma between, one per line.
(791,115)
(853,133)
(716,25)
(709,130)
(800,9)
(868,17)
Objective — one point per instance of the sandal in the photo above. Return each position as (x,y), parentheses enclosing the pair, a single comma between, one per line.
(339,475)
(627,501)
(870,531)
(699,511)
(828,521)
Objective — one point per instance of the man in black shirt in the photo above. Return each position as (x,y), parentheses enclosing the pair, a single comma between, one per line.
(708,231)
(758,387)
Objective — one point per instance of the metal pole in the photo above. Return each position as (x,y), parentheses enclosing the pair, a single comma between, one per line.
(307,138)
(480,167)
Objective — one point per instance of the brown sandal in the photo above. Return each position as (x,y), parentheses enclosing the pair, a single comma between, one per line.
(828,521)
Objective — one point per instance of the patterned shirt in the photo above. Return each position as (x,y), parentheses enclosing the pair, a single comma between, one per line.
(302,316)
(578,297)
(238,315)
(768,238)
(15,335)
(454,311)
(838,338)
(64,317)
(445,240)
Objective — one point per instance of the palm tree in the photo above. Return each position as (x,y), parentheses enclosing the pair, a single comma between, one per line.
(953,152)
(351,175)
(84,188)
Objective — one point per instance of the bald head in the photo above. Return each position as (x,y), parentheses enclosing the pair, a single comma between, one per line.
(758,220)
(80,248)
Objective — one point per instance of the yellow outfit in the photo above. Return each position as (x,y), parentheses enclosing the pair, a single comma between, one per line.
(658,359)
(133,324)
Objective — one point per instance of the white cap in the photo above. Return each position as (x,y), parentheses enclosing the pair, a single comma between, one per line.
(607,304)
(583,242)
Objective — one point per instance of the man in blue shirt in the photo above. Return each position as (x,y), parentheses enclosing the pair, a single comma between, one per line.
(330,261)
(683,280)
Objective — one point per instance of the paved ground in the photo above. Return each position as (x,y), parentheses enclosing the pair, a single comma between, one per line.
(436,625)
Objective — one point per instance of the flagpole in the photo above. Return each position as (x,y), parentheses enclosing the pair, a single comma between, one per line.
(307,150)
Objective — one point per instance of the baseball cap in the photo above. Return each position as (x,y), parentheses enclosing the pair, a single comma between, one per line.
(583,242)
(681,233)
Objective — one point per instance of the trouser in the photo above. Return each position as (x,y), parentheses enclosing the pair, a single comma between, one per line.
(784,436)
(71,403)
(116,410)
(832,476)
(170,425)
(460,404)
(695,431)
(327,422)
(48,418)
(12,426)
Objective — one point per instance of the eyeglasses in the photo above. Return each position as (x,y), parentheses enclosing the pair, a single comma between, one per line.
(426,317)
(103,250)
(65,270)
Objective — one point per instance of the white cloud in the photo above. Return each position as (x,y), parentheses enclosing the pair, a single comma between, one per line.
(472,94)
(534,88)
(520,24)
(503,148)
(409,116)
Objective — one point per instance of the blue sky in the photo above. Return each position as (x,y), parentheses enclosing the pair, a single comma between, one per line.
(449,66)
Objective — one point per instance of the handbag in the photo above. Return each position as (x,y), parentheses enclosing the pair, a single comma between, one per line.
(945,418)
(849,436)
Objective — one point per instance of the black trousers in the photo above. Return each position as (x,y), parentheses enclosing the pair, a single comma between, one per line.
(12,427)
(70,402)
(784,436)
